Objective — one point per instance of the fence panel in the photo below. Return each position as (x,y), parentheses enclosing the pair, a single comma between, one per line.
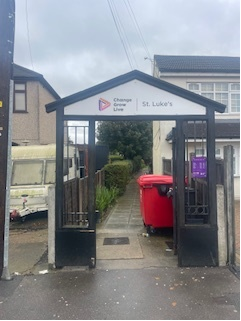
(75,199)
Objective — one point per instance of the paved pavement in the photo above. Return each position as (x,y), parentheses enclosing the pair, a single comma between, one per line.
(137,280)
(123,294)
(237,231)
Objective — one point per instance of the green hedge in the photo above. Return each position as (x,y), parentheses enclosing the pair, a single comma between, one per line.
(114,158)
(118,175)
(137,163)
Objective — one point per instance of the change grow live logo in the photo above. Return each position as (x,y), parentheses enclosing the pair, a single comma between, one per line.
(103,104)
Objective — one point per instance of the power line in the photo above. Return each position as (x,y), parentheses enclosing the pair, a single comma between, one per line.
(125,36)
(121,29)
(28,34)
(132,15)
(121,32)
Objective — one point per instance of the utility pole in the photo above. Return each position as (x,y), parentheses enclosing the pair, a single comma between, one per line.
(7,24)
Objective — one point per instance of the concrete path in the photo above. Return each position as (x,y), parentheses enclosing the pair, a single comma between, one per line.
(126,212)
(26,249)
(125,221)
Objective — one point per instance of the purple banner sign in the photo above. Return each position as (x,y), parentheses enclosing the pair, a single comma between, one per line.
(199,167)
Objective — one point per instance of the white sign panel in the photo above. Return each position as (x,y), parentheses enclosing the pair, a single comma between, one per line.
(134,98)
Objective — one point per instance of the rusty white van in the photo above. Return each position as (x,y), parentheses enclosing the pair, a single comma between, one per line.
(33,171)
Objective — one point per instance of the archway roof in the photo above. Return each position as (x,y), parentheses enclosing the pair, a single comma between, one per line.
(134,94)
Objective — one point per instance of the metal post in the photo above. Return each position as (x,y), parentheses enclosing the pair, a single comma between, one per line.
(180,178)
(211,170)
(6,274)
(91,175)
(229,201)
(7,21)
(59,168)
(174,201)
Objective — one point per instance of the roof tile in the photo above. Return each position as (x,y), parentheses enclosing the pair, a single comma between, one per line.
(218,64)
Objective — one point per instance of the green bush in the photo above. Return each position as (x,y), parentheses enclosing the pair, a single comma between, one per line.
(118,175)
(114,158)
(105,197)
(129,163)
(137,163)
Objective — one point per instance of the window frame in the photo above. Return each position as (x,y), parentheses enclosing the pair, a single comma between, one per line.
(19,166)
(230,91)
(20,91)
(200,151)
(236,161)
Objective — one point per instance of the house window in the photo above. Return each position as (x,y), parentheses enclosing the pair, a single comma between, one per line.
(235,103)
(207,87)
(199,152)
(222,98)
(20,97)
(236,159)
(218,153)
(193,87)
(225,93)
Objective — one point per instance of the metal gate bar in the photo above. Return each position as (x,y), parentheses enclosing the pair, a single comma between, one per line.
(195,211)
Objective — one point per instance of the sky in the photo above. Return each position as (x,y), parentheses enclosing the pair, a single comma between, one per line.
(75,44)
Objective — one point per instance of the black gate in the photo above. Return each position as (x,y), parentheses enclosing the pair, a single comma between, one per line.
(195,218)
(75,235)
(194,202)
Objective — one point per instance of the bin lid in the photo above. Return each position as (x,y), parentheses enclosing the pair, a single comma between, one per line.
(154,179)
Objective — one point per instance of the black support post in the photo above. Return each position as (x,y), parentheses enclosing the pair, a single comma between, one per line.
(174,174)
(59,168)
(211,170)
(180,172)
(91,175)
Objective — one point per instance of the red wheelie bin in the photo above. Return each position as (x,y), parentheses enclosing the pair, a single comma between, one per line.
(156,207)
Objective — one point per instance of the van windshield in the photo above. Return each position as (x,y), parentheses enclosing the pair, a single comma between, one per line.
(27,172)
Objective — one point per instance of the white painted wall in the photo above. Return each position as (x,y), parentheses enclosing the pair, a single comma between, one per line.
(161,148)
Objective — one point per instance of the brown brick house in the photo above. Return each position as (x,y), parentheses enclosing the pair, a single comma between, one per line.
(30,123)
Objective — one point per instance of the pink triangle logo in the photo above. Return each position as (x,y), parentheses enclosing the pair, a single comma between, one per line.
(103,104)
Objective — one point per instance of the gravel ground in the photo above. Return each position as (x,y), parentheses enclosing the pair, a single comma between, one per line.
(32,222)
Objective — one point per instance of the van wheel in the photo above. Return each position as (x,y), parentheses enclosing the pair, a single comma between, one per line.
(23,219)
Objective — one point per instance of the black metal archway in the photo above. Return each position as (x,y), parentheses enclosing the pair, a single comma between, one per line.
(137,96)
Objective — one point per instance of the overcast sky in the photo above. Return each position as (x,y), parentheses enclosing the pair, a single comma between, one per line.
(74,44)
